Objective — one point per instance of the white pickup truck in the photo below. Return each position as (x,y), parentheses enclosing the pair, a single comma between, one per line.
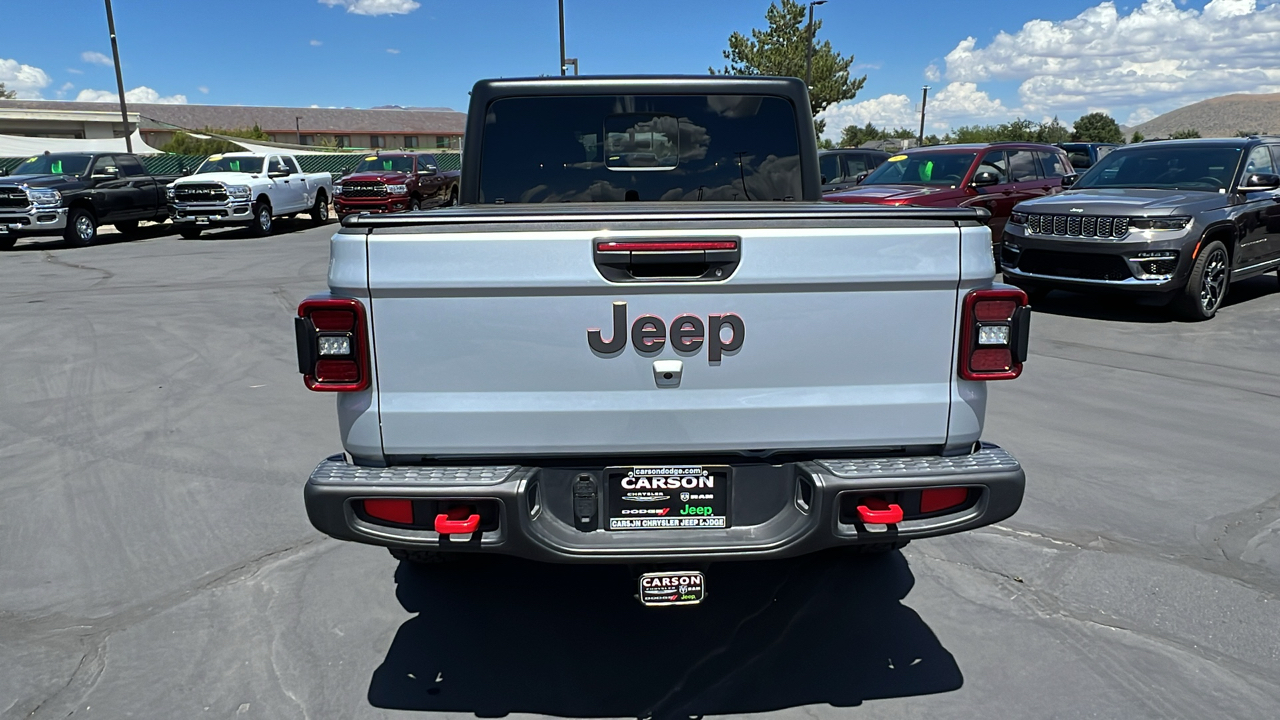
(249,189)
(645,340)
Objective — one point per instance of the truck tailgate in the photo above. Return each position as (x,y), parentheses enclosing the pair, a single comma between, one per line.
(480,337)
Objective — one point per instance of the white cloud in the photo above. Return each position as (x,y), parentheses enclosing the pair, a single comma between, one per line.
(316,43)
(1158,56)
(75,71)
(393,51)
(375,7)
(62,91)
(1139,116)
(956,104)
(142,94)
(932,73)
(95,58)
(27,80)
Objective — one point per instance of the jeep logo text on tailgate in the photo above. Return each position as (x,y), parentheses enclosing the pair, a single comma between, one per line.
(649,334)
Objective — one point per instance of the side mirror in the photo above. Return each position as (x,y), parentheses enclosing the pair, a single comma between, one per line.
(857,179)
(346,170)
(1069,180)
(985,178)
(105,176)
(430,170)
(824,179)
(1257,182)
(283,172)
(185,170)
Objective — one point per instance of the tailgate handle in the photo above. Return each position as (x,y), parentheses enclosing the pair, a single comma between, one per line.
(668,259)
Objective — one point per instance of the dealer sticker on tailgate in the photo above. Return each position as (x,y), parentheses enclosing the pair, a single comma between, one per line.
(673,497)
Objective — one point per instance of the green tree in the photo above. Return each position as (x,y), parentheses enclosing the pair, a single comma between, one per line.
(1052,132)
(186,144)
(1137,137)
(7,94)
(826,144)
(1185,134)
(781,50)
(1097,127)
(854,136)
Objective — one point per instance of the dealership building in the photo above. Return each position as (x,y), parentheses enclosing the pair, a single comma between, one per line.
(426,128)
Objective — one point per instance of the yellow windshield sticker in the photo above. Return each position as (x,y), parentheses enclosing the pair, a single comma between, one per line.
(31,159)
(215,158)
(897,158)
(371,158)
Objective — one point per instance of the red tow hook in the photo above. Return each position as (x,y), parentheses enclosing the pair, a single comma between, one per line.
(877,512)
(459,520)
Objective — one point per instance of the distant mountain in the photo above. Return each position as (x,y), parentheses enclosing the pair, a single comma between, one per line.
(1219,117)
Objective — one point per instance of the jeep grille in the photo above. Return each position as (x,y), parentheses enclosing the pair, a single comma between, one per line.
(194,193)
(1086,226)
(364,190)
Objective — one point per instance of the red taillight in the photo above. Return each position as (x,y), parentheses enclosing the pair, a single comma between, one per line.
(935,499)
(994,329)
(333,349)
(396,511)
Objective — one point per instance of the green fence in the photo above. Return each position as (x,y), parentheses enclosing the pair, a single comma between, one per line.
(332,163)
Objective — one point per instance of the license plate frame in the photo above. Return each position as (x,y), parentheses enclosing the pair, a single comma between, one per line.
(203,220)
(667,497)
(672,587)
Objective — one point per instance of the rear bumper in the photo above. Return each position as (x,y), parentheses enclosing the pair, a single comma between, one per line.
(785,511)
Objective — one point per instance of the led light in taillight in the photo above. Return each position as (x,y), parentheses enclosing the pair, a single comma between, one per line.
(334,345)
(987,335)
(993,335)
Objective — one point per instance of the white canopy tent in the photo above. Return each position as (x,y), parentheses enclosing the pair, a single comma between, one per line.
(18,146)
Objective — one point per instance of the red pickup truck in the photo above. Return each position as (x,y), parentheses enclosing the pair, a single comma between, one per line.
(395,182)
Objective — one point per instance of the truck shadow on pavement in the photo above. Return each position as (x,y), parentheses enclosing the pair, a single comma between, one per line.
(508,636)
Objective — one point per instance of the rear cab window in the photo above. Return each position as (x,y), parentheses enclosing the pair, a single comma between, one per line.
(649,148)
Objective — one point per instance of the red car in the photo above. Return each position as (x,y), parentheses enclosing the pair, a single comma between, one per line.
(994,176)
(395,182)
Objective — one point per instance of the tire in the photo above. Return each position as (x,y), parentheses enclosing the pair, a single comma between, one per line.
(189,233)
(424,557)
(1207,287)
(415,205)
(82,228)
(262,220)
(127,227)
(8,243)
(320,211)
(453,197)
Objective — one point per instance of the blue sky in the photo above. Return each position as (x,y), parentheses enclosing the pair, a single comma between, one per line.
(987,61)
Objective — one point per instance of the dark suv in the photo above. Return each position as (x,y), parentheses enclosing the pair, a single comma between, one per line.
(847,167)
(1178,220)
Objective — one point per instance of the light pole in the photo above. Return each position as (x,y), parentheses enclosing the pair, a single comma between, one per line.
(115,52)
(924,98)
(297,126)
(562,58)
(808,59)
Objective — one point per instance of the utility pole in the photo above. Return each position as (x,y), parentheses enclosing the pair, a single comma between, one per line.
(297,126)
(923,99)
(562,59)
(115,52)
(808,58)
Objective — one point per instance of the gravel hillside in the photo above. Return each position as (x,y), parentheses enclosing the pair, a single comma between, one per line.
(1219,117)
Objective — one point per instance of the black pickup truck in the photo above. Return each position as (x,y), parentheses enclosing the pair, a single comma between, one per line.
(72,194)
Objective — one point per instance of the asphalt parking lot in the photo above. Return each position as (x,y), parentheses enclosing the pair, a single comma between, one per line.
(156,561)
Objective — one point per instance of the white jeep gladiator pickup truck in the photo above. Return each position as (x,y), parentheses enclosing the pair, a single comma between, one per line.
(248,189)
(643,339)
